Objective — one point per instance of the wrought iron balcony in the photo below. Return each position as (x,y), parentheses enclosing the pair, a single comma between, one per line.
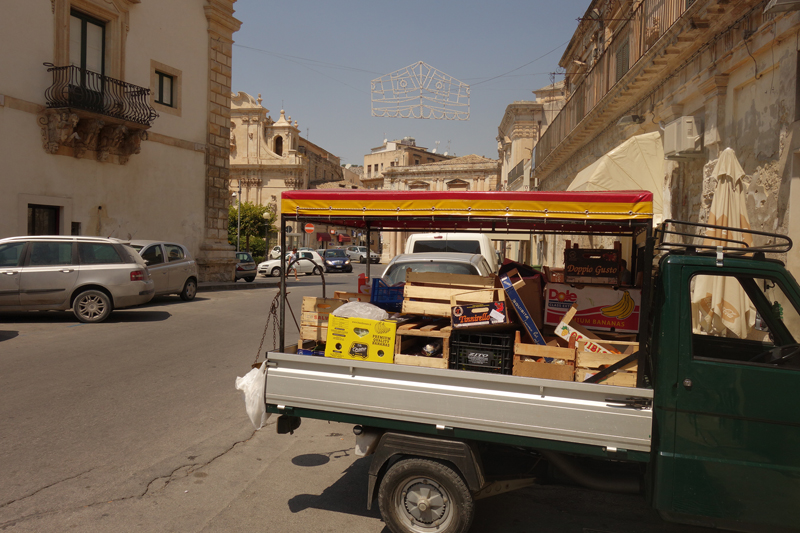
(77,88)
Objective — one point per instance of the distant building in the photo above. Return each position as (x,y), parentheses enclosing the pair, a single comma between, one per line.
(269,157)
(400,153)
(522,124)
(468,173)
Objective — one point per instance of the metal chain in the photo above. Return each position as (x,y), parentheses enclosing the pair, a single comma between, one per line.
(272,314)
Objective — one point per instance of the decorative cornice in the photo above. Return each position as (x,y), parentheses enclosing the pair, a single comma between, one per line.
(220,18)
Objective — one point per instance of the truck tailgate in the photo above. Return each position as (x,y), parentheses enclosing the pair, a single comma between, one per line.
(547,409)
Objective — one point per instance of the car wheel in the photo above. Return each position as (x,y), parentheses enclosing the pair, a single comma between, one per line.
(189,290)
(92,306)
(276,272)
(420,495)
(362,260)
(250,279)
(349,269)
(317,271)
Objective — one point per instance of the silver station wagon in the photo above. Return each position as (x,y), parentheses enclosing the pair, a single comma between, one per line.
(90,275)
(172,267)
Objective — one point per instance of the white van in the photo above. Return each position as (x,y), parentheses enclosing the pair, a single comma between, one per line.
(465,243)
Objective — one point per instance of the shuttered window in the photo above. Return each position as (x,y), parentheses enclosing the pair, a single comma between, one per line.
(623,58)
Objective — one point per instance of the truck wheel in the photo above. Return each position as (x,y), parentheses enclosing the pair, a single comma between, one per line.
(424,496)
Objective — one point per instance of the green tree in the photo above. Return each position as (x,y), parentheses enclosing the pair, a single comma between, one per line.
(252,223)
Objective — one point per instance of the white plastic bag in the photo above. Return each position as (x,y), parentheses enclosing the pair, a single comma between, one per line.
(360,310)
(252,385)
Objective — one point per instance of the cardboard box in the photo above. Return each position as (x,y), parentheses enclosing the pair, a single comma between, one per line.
(361,339)
(584,265)
(553,275)
(599,308)
(480,315)
(537,361)
(315,311)
(511,288)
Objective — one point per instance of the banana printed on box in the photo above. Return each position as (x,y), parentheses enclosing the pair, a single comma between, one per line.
(599,308)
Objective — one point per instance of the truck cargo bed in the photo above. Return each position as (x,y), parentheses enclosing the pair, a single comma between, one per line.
(581,413)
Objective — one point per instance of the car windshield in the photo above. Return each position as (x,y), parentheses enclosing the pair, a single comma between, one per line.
(362,248)
(335,253)
(396,273)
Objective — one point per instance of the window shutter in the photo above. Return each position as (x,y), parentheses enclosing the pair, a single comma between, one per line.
(622,58)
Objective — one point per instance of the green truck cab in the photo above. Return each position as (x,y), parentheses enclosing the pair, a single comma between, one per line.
(726,420)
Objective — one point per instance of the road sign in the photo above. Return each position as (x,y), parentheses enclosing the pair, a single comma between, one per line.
(288,229)
(309,228)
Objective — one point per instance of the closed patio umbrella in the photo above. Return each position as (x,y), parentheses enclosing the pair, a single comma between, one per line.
(720,306)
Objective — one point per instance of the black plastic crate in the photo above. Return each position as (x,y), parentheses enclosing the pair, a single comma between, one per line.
(482,352)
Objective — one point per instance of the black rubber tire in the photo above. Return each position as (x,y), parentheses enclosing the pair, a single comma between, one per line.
(189,290)
(317,271)
(92,306)
(250,279)
(350,269)
(362,260)
(454,508)
(275,272)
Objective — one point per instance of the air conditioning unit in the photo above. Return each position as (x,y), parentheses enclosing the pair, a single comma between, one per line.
(683,138)
(777,6)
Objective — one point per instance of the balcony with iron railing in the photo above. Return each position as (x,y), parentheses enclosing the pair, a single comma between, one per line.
(78,88)
(91,115)
(648,22)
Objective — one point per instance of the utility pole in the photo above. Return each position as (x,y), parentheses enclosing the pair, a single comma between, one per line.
(238,215)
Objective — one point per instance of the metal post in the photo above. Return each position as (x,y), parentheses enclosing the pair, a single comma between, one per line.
(238,215)
(369,251)
(282,313)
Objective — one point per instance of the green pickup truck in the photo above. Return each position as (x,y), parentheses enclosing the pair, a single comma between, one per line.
(710,434)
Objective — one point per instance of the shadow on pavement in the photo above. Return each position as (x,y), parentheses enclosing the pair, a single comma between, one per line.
(133,315)
(8,334)
(160,301)
(348,495)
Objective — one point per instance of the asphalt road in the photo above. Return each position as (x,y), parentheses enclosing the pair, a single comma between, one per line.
(134,425)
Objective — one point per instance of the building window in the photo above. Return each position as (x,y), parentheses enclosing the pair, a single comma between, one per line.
(43,219)
(165,88)
(416,160)
(75,229)
(87,36)
(164,84)
(279,145)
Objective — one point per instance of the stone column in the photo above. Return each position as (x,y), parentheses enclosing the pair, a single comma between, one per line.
(216,260)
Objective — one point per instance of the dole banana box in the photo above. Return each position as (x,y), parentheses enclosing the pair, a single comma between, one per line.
(361,339)
(599,308)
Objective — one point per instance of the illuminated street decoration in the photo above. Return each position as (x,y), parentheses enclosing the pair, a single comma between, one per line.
(420,91)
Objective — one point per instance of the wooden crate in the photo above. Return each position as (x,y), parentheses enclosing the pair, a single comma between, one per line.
(526,364)
(351,296)
(429,293)
(412,333)
(314,317)
(590,363)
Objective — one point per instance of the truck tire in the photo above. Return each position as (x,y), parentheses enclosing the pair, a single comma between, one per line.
(421,496)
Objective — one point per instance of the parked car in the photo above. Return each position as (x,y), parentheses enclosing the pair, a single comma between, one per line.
(359,253)
(446,262)
(275,253)
(90,275)
(171,266)
(303,265)
(336,260)
(245,267)
(464,243)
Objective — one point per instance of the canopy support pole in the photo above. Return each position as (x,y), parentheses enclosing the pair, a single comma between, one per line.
(282,317)
(369,252)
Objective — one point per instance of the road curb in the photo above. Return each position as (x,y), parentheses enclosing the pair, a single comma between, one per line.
(234,286)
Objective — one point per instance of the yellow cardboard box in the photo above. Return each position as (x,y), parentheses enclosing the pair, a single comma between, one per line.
(361,339)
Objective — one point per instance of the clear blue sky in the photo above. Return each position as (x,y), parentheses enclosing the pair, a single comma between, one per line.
(317,58)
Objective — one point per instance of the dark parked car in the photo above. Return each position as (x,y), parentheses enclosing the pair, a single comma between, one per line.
(336,260)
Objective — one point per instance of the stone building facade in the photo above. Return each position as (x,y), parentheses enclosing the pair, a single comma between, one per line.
(123,131)
(730,65)
(391,154)
(522,124)
(270,156)
(468,173)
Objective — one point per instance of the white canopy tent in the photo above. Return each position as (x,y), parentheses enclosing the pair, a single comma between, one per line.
(636,164)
